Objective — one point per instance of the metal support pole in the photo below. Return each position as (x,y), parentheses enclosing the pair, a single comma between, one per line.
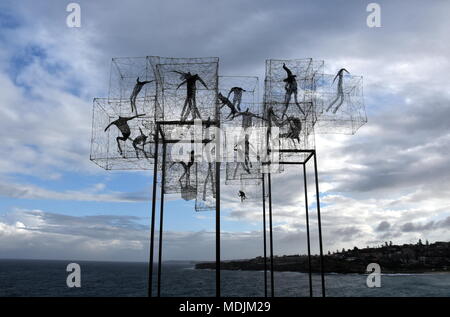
(264,234)
(161,217)
(307,232)
(272,287)
(152,226)
(320,225)
(217,229)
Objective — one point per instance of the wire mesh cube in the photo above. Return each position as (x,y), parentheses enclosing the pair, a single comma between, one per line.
(188,88)
(243,151)
(125,71)
(181,178)
(240,91)
(135,144)
(340,107)
(206,189)
(289,86)
(293,142)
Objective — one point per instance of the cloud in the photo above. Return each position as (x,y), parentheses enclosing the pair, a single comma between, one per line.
(36,234)
(383,226)
(432,225)
(27,191)
(39,234)
(394,171)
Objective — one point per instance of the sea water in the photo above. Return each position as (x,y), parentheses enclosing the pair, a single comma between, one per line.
(48,278)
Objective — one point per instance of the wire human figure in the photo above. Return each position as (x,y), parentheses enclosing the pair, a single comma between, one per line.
(226,102)
(295,127)
(140,140)
(272,119)
(291,89)
(190,103)
(244,148)
(340,90)
(136,90)
(247,118)
(242,196)
(187,171)
(209,178)
(122,124)
(237,96)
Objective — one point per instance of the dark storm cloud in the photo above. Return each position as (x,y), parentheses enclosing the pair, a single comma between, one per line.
(431,225)
(347,233)
(383,226)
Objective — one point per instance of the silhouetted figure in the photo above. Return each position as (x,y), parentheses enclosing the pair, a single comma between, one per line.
(295,127)
(272,118)
(291,88)
(136,90)
(247,116)
(340,90)
(242,196)
(210,178)
(187,171)
(226,102)
(122,125)
(208,123)
(140,140)
(243,148)
(190,104)
(237,96)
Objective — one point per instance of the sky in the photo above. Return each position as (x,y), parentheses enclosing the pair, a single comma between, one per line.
(389,182)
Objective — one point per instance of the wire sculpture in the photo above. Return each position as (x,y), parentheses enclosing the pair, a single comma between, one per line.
(321,103)
(136,90)
(219,119)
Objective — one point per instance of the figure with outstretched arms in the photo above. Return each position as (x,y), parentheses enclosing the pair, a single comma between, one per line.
(190,104)
(122,124)
(247,117)
(136,90)
(340,90)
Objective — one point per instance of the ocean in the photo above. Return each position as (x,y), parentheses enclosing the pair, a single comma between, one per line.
(48,278)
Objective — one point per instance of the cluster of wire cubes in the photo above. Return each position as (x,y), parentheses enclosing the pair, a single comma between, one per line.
(252,133)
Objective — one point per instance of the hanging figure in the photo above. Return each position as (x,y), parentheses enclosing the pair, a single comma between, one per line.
(237,96)
(340,90)
(291,88)
(187,171)
(243,149)
(122,125)
(226,102)
(295,127)
(209,177)
(190,104)
(272,118)
(140,140)
(247,116)
(136,90)
(242,196)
